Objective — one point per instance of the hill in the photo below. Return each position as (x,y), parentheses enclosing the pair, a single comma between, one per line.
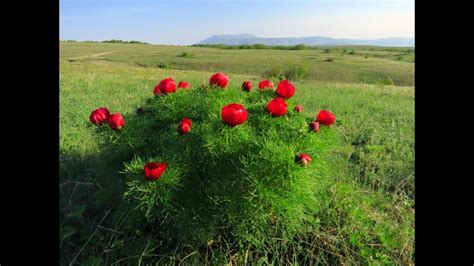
(241,39)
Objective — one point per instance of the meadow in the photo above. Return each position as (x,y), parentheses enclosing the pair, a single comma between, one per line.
(366,65)
(367,215)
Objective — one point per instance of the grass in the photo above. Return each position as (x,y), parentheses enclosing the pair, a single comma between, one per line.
(380,66)
(366,214)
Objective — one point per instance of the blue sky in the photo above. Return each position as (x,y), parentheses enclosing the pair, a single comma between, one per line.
(186,21)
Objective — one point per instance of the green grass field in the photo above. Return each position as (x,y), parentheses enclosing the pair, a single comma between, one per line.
(368,216)
(382,66)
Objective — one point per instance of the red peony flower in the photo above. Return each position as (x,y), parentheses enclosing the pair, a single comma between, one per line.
(234,114)
(165,86)
(325,117)
(154,170)
(303,159)
(277,106)
(219,80)
(299,108)
(314,126)
(99,116)
(265,84)
(247,85)
(185,126)
(285,89)
(116,121)
(183,85)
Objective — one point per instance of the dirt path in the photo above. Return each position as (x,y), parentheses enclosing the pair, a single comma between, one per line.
(96,55)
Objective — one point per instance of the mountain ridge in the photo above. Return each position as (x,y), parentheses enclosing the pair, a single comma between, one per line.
(248,39)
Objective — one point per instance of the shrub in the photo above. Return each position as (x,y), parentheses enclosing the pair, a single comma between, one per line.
(122,41)
(162,66)
(274,72)
(292,72)
(300,47)
(187,55)
(295,73)
(259,46)
(235,185)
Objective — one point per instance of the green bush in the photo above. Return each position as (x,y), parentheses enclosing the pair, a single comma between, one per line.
(295,73)
(187,55)
(163,65)
(238,186)
(291,72)
(300,46)
(122,41)
(259,46)
(274,72)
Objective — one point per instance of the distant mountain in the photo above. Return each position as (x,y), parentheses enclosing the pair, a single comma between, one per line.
(316,40)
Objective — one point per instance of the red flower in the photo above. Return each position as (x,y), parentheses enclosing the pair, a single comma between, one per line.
(325,117)
(154,170)
(116,121)
(247,85)
(185,126)
(165,86)
(99,116)
(299,108)
(219,80)
(285,89)
(265,84)
(314,126)
(234,114)
(183,85)
(303,158)
(277,106)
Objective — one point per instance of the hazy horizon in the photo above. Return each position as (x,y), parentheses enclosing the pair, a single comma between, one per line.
(100,40)
(186,22)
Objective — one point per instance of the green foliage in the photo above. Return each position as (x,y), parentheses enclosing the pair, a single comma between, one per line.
(365,211)
(163,65)
(244,179)
(258,46)
(300,47)
(122,41)
(291,72)
(252,62)
(296,72)
(188,55)
(274,72)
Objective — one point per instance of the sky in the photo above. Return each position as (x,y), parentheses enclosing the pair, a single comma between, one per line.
(185,22)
